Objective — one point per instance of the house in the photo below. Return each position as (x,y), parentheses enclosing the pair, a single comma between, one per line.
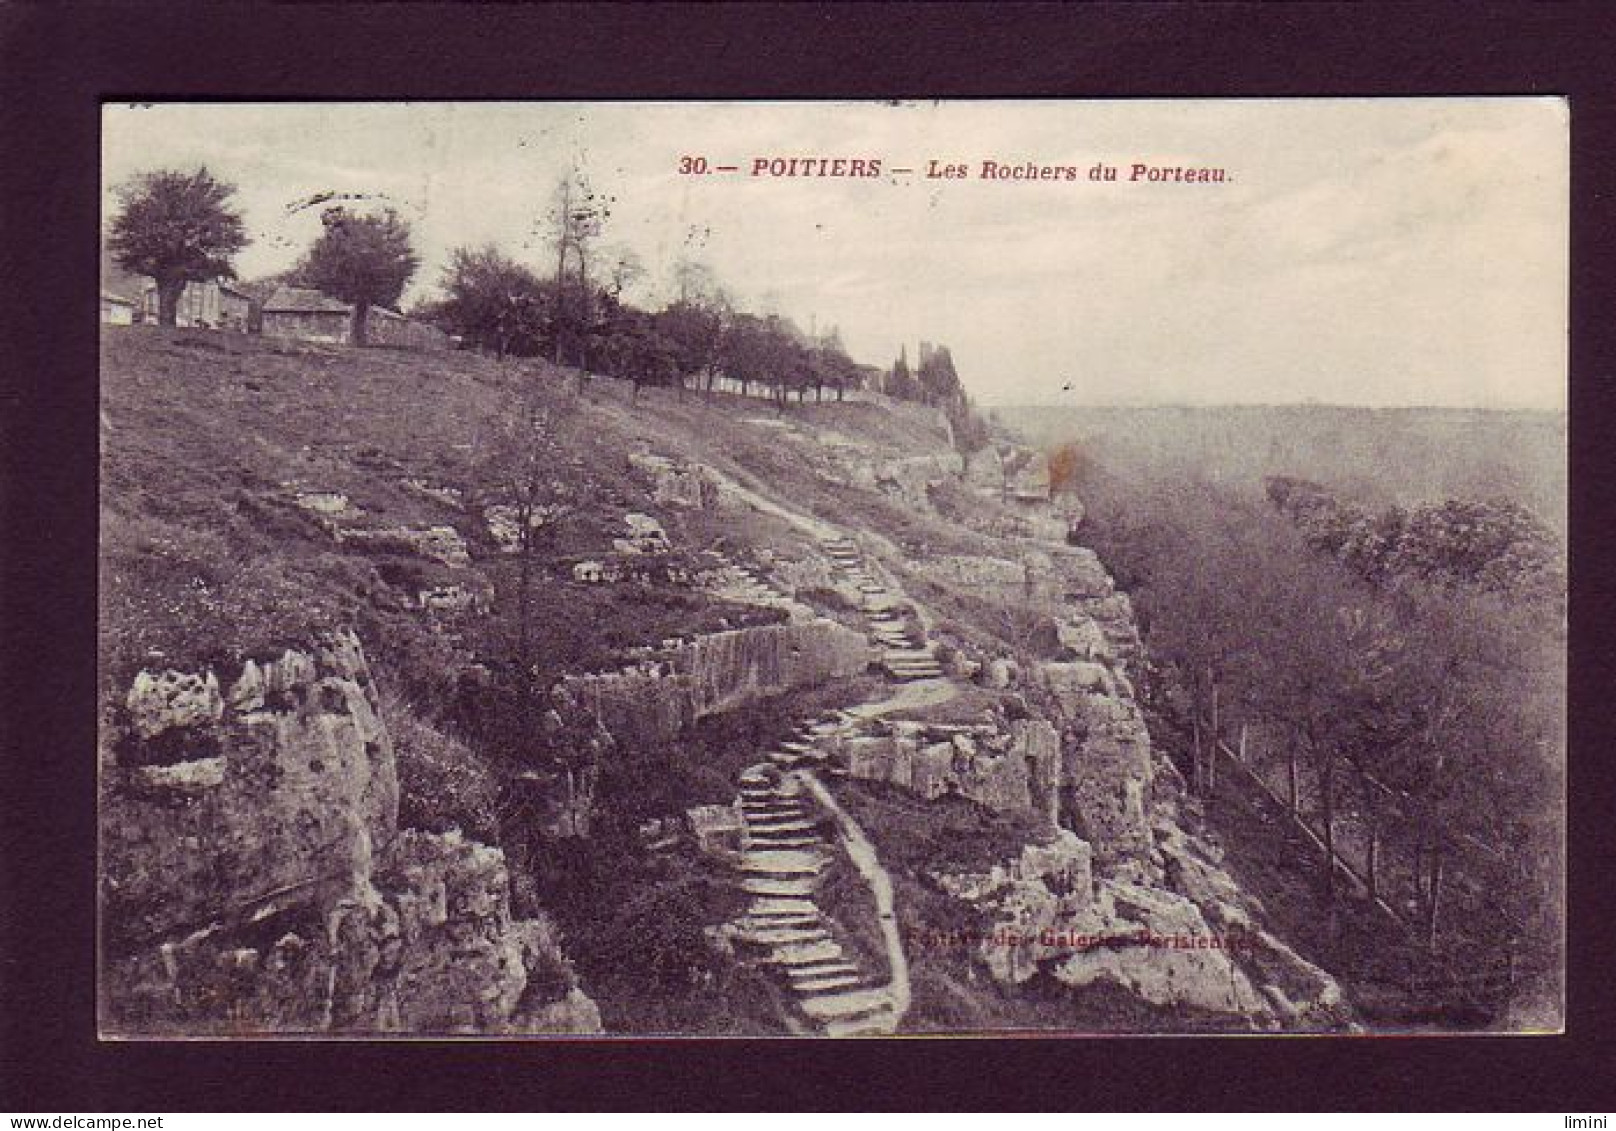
(308,315)
(120,293)
(213,304)
(116,310)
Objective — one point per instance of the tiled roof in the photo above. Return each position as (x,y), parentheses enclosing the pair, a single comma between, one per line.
(304,300)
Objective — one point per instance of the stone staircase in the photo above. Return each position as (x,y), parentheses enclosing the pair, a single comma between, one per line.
(783,856)
(739,582)
(904,657)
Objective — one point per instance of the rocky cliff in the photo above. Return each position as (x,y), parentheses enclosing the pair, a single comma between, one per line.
(255,878)
(1118,892)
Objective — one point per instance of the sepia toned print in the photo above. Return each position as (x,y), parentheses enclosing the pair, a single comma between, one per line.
(832,569)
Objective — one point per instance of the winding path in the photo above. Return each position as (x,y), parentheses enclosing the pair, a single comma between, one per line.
(863,854)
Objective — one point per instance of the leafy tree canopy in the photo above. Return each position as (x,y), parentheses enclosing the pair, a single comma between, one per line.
(176,227)
(365,260)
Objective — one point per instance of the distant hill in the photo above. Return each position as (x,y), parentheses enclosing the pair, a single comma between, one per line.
(1372,455)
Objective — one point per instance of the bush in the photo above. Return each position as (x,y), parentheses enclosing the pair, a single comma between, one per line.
(442,782)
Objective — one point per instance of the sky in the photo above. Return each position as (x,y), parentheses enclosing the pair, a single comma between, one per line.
(1356,251)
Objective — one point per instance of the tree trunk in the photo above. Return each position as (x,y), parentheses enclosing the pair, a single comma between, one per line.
(360,312)
(168,301)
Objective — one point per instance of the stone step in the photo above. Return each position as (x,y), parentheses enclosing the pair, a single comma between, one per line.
(778,827)
(782,862)
(829,968)
(776,906)
(797,919)
(802,954)
(775,810)
(786,936)
(876,1025)
(784,840)
(846,1005)
(800,887)
(825,985)
(912,677)
(774,799)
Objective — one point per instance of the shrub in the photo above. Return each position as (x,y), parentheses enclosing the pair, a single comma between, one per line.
(442,782)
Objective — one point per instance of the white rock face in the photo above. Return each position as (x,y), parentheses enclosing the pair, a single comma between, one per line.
(319,912)
(1157,945)
(1031,901)
(159,701)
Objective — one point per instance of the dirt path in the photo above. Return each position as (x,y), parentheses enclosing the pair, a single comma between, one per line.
(863,854)
(921,693)
(807,523)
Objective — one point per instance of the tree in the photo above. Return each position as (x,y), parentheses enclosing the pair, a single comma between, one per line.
(364,260)
(900,383)
(1070,467)
(177,228)
(637,351)
(695,331)
(968,431)
(493,301)
(747,351)
(525,478)
(938,383)
(577,217)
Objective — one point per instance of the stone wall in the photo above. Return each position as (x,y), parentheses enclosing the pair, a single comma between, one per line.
(716,673)
(255,879)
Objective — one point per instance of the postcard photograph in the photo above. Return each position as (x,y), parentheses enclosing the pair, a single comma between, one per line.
(832,569)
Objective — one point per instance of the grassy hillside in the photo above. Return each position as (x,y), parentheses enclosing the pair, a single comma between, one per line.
(208,437)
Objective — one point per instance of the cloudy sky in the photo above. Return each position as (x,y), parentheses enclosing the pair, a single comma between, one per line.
(1359,251)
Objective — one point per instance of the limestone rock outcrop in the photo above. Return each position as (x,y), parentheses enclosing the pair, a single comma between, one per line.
(715,673)
(1013,769)
(1031,902)
(676,483)
(255,878)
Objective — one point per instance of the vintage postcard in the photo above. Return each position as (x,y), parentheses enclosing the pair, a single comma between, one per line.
(596,570)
